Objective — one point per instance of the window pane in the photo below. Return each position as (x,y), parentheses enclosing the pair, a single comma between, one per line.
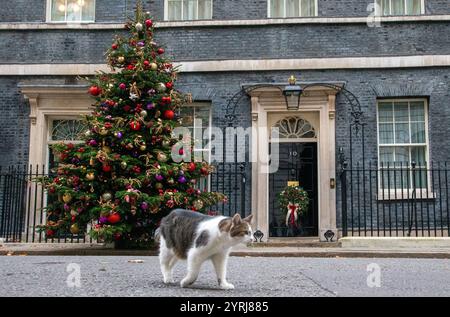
(401,156)
(401,112)
(276,8)
(88,9)
(58,10)
(386,156)
(386,7)
(418,155)
(292,8)
(386,133)
(418,132)
(204,9)
(73,10)
(308,8)
(417,111)
(190,9)
(174,8)
(398,7)
(402,133)
(413,7)
(385,112)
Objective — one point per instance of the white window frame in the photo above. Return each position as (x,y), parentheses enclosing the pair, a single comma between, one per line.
(166,11)
(207,150)
(269,13)
(405,193)
(379,12)
(49,15)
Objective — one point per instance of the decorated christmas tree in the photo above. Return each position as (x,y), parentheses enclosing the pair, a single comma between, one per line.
(125,177)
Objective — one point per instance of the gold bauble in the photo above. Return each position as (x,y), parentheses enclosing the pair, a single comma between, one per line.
(106,149)
(67,198)
(121,59)
(143,148)
(198,204)
(166,143)
(107,196)
(143,113)
(162,157)
(161,87)
(74,229)
(90,176)
(103,131)
(154,66)
(123,165)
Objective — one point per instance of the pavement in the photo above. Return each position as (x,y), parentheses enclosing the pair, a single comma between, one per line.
(255,250)
(127,276)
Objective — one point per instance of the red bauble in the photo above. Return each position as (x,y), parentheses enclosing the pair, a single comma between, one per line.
(181,151)
(130,67)
(50,233)
(166,100)
(114,218)
(146,63)
(169,114)
(135,125)
(106,168)
(169,85)
(95,91)
(114,46)
(192,167)
(204,171)
(148,23)
(160,51)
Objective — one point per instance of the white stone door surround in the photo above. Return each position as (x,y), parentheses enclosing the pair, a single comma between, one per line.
(318,107)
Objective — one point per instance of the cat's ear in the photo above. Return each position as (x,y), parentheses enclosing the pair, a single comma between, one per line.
(236,219)
(248,219)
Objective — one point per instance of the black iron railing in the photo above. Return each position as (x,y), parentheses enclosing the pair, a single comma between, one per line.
(23,201)
(399,200)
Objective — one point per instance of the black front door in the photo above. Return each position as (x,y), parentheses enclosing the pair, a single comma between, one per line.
(297,163)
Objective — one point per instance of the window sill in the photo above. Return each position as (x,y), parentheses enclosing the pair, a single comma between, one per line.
(402,195)
(218,23)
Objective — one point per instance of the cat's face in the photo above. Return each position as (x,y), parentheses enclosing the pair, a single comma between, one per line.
(239,229)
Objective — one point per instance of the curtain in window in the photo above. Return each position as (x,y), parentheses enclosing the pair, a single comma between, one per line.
(398,7)
(292,8)
(204,9)
(308,8)
(174,10)
(58,10)
(413,7)
(189,9)
(276,8)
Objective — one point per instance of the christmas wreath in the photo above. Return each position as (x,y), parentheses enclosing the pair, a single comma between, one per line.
(295,200)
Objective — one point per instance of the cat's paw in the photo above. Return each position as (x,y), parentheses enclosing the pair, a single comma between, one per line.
(226,286)
(168,280)
(186,282)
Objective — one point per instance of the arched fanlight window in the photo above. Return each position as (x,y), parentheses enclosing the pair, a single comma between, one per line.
(295,128)
(67,130)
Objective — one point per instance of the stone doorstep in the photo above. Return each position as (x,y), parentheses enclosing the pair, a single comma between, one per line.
(424,243)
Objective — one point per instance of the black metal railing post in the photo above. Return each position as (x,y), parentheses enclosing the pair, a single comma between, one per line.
(344,197)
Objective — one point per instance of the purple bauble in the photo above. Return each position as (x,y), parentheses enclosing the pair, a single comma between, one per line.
(103,220)
(141,44)
(93,143)
(119,135)
(144,205)
(159,177)
(150,106)
(182,180)
(66,207)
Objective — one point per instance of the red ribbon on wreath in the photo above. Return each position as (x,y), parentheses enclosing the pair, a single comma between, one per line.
(292,219)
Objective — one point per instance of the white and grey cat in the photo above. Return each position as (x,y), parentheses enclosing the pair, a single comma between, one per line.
(197,238)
